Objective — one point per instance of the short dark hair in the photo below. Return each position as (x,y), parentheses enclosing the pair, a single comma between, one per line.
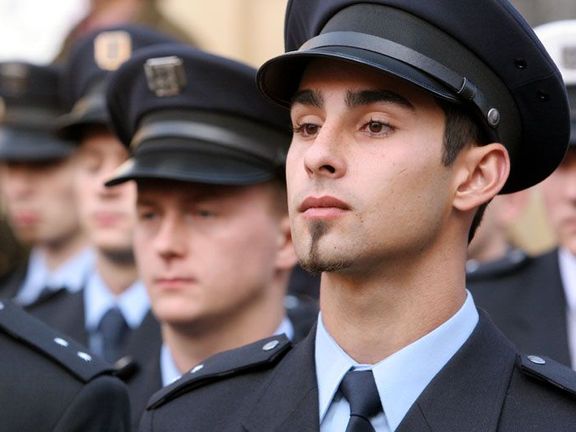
(461,130)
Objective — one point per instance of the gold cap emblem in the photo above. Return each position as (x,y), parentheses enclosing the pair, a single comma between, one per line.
(165,75)
(111,49)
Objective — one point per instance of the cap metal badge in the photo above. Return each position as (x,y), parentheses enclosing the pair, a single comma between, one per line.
(165,75)
(111,49)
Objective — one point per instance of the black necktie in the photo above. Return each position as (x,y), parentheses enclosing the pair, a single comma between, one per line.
(113,329)
(359,388)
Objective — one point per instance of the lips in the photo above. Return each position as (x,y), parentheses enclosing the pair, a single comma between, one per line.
(325,208)
(324,202)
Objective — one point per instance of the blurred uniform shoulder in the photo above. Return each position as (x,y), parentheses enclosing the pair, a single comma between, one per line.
(32,334)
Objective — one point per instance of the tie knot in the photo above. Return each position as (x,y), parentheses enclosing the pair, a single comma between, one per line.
(359,388)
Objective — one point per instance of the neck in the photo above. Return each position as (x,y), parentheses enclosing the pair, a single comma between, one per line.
(191,344)
(118,271)
(58,252)
(375,315)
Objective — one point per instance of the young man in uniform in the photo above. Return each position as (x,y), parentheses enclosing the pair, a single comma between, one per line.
(111,314)
(408,118)
(36,181)
(535,304)
(212,238)
(51,384)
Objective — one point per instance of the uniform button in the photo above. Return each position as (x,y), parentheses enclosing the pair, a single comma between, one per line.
(270,345)
(536,360)
(61,342)
(197,368)
(84,356)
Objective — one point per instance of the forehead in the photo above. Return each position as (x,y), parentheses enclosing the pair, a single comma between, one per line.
(337,75)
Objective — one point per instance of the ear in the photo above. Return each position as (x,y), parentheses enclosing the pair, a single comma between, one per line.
(286,256)
(483,172)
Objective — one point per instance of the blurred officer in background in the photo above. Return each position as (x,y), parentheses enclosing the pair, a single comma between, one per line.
(51,384)
(535,305)
(112,313)
(408,117)
(36,180)
(212,239)
(492,252)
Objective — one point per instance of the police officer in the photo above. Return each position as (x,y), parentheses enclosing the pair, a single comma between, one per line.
(111,314)
(408,118)
(50,383)
(36,180)
(535,303)
(212,237)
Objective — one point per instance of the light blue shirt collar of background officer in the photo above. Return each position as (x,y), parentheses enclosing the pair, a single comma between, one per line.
(71,275)
(98,299)
(400,378)
(170,372)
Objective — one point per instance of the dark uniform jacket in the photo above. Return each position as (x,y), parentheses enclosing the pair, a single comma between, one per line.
(50,383)
(148,379)
(11,281)
(271,386)
(527,302)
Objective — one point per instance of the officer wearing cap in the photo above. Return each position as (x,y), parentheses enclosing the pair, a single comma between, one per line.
(212,238)
(535,304)
(407,121)
(36,180)
(112,313)
(50,383)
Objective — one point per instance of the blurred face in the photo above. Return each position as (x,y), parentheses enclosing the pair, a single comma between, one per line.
(39,200)
(559,192)
(364,171)
(207,253)
(107,214)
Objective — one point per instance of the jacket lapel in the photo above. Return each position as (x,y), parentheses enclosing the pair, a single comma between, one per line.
(469,392)
(289,399)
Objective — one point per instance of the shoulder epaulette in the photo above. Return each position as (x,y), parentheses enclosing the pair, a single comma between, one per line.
(69,354)
(256,356)
(549,371)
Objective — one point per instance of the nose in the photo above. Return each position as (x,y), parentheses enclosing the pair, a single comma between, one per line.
(17,183)
(169,241)
(324,157)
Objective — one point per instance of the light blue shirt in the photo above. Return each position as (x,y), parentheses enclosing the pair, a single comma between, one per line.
(170,372)
(400,378)
(71,275)
(98,299)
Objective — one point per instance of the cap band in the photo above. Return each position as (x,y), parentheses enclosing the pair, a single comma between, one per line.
(460,85)
(254,140)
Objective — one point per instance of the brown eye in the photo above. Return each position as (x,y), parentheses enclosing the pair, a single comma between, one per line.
(376,127)
(306,129)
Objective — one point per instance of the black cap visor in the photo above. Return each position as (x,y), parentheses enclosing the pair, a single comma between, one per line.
(280,77)
(194,162)
(19,145)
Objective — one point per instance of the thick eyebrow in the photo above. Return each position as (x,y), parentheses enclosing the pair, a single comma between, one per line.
(367,97)
(309,98)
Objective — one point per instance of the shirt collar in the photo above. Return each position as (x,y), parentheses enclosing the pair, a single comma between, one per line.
(168,369)
(72,274)
(567,264)
(285,327)
(98,299)
(401,377)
